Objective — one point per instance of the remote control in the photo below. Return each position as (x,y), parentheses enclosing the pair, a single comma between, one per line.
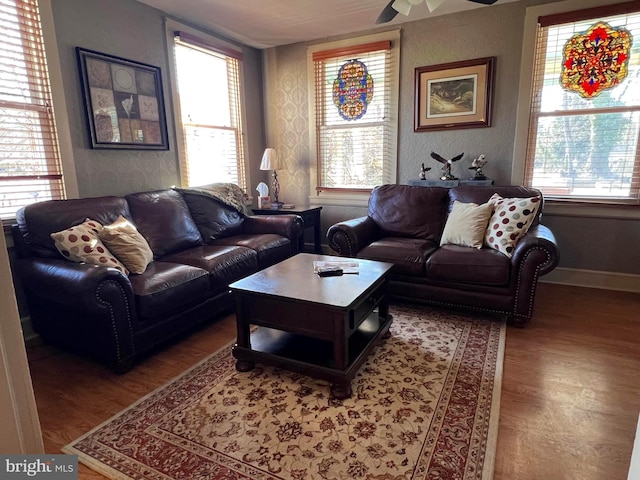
(329,272)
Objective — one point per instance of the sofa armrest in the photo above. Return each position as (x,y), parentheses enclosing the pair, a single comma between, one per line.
(541,240)
(349,237)
(70,283)
(290,226)
(535,254)
(88,308)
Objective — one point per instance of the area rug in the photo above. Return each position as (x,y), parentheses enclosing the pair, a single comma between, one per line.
(425,405)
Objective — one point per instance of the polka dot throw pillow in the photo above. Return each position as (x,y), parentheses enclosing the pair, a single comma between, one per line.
(511,219)
(82,244)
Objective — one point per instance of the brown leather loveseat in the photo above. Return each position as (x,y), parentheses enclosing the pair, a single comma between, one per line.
(199,245)
(404,226)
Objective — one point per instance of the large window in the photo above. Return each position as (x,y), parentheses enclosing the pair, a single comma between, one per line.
(583,139)
(355,114)
(30,168)
(208,85)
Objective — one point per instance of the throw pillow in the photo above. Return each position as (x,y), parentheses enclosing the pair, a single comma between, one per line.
(82,244)
(511,219)
(466,224)
(127,244)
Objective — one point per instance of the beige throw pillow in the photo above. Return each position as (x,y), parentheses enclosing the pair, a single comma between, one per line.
(126,243)
(82,244)
(466,224)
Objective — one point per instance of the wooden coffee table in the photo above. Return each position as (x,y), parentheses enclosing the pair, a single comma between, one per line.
(323,327)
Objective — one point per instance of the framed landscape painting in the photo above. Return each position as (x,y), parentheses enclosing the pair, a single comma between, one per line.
(124,102)
(454,95)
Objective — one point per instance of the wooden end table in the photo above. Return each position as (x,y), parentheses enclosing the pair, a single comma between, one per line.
(310,217)
(324,327)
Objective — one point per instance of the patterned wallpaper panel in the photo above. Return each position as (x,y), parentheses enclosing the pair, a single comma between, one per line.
(287,118)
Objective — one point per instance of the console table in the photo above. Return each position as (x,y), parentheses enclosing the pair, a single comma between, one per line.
(450,183)
(310,217)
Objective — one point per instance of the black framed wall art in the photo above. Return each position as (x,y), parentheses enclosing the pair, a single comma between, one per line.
(124,102)
(454,95)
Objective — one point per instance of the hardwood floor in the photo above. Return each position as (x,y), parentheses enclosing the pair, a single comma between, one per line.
(570,389)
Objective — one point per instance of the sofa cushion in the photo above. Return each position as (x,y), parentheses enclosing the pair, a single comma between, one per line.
(166,287)
(408,211)
(213,218)
(453,263)
(511,219)
(127,244)
(467,224)
(81,243)
(225,264)
(270,248)
(163,218)
(408,255)
(39,220)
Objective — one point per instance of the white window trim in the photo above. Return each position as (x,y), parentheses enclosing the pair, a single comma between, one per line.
(524,106)
(354,199)
(58,97)
(172,26)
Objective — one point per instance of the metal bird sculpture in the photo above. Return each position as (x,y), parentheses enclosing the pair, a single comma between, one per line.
(477,165)
(446,165)
(423,172)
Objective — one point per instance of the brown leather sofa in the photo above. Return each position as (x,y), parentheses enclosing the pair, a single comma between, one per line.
(404,226)
(199,246)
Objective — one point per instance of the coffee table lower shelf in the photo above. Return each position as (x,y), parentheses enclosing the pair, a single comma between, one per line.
(312,356)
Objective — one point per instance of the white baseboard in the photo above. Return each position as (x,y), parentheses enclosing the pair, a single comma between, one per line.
(624,282)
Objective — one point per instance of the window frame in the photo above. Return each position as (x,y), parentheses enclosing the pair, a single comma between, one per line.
(554,206)
(172,26)
(352,197)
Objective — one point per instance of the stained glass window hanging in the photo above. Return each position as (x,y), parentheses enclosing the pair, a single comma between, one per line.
(352,90)
(596,59)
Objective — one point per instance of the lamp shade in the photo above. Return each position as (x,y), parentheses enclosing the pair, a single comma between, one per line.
(269,159)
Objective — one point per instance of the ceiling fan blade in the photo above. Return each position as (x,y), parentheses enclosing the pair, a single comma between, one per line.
(403,6)
(484,2)
(387,14)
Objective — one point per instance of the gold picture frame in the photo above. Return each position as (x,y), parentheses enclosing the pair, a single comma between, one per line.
(124,102)
(454,95)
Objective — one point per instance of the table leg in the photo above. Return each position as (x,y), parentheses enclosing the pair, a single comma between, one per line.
(243,340)
(341,391)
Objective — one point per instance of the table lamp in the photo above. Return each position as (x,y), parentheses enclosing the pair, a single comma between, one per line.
(270,162)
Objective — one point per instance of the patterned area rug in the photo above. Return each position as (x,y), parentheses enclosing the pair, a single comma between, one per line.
(425,406)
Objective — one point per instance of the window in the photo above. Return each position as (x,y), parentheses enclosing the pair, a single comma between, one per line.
(583,140)
(355,113)
(30,168)
(208,85)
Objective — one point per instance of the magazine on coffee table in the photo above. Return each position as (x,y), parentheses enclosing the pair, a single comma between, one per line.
(346,266)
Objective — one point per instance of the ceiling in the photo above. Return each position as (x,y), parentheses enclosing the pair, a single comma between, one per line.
(269,23)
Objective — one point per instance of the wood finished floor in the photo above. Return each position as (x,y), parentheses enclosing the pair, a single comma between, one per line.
(570,389)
